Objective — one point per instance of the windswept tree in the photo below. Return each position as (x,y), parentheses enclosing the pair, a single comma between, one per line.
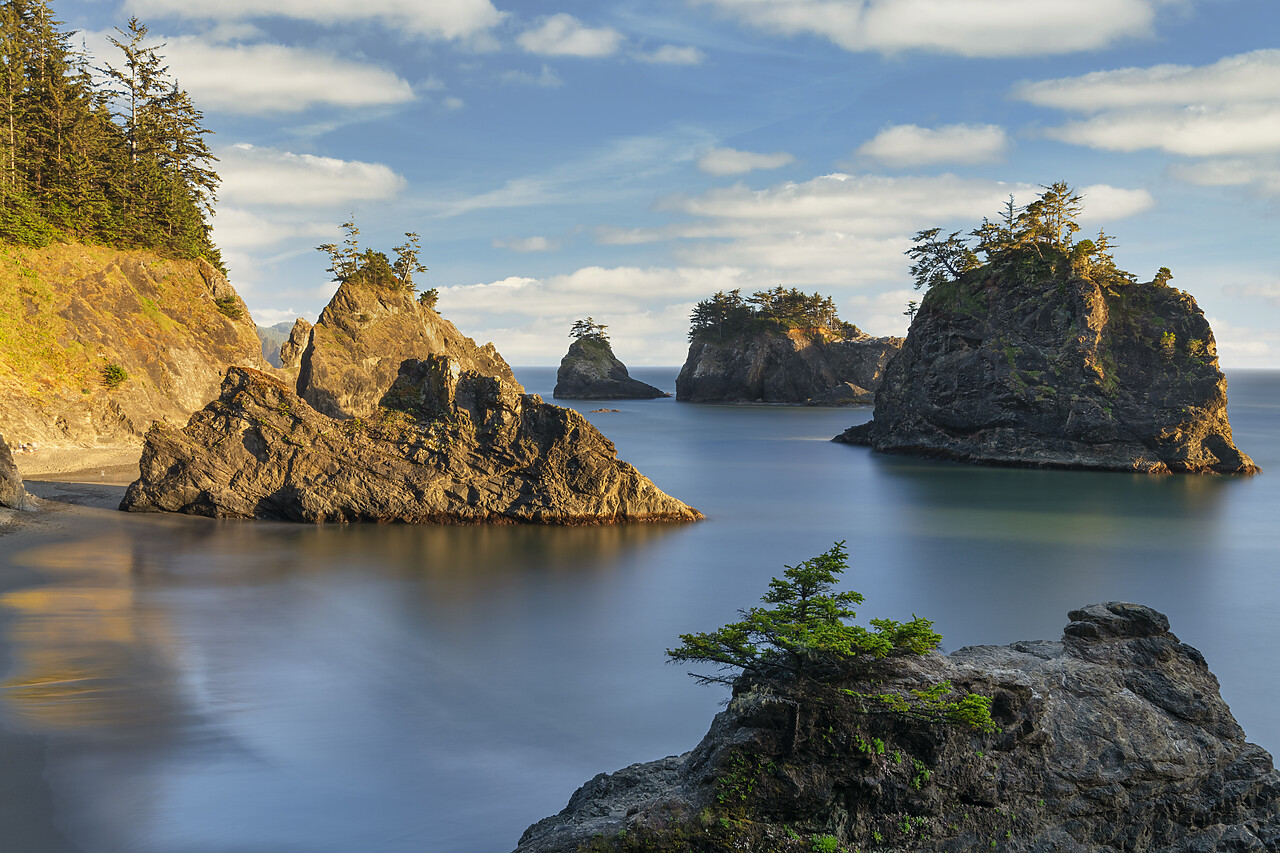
(589,329)
(350,263)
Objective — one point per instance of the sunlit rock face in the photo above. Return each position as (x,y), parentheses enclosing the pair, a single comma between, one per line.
(1114,738)
(444,444)
(590,371)
(1058,373)
(793,367)
(12,493)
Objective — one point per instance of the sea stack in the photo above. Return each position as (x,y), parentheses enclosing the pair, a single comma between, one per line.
(780,346)
(1113,738)
(590,371)
(1048,356)
(13,495)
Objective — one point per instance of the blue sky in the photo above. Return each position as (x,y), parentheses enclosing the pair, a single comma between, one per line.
(625,159)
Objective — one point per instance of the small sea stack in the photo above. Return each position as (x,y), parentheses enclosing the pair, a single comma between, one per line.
(590,370)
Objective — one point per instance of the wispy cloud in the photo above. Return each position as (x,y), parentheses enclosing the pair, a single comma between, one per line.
(730,161)
(528,244)
(565,35)
(266,176)
(545,78)
(670,54)
(971,28)
(910,145)
(454,19)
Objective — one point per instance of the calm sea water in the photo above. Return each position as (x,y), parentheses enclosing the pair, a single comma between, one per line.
(223,687)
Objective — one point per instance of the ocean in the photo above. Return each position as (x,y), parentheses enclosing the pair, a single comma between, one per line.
(198,686)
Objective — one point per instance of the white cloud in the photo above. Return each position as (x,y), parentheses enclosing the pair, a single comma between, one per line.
(971,28)
(1266,291)
(565,35)
(546,78)
(528,244)
(1259,175)
(267,78)
(1227,109)
(670,54)
(1241,346)
(448,19)
(729,161)
(454,103)
(267,176)
(236,230)
(1104,203)
(1194,131)
(1247,77)
(910,145)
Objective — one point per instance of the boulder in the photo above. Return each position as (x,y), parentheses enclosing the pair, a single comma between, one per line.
(590,371)
(444,444)
(1114,738)
(794,366)
(13,495)
(1057,372)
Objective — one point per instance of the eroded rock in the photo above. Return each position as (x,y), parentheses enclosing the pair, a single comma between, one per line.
(590,371)
(445,444)
(13,494)
(1113,739)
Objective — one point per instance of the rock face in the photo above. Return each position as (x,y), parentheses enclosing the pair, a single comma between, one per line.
(294,346)
(99,342)
(785,367)
(12,493)
(354,352)
(445,444)
(1114,738)
(590,371)
(1064,373)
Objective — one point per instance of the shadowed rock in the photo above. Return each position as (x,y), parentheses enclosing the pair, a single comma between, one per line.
(12,493)
(445,445)
(794,366)
(1057,373)
(1113,739)
(590,371)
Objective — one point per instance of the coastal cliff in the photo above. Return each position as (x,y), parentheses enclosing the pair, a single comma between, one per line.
(1113,738)
(99,342)
(444,445)
(590,371)
(785,366)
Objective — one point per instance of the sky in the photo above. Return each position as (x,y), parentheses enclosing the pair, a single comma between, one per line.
(624,159)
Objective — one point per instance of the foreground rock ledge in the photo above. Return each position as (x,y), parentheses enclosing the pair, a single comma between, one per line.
(1114,738)
(445,445)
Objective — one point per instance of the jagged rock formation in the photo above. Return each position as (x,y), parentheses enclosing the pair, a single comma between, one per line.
(590,371)
(445,444)
(792,366)
(13,494)
(1057,371)
(354,352)
(1114,738)
(99,341)
(294,346)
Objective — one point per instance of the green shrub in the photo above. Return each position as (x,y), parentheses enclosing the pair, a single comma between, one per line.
(113,376)
(229,307)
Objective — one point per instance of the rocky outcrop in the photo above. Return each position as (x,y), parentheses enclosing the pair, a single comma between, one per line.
(590,371)
(294,346)
(354,352)
(795,367)
(13,495)
(1059,372)
(444,444)
(99,342)
(1114,738)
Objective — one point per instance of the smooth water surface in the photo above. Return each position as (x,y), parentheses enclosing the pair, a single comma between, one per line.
(236,687)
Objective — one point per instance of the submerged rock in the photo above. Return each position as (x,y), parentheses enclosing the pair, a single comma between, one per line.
(792,366)
(444,444)
(590,371)
(1113,739)
(13,494)
(1057,371)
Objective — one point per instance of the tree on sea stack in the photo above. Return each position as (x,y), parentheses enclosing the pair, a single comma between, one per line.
(589,328)
(805,641)
(349,263)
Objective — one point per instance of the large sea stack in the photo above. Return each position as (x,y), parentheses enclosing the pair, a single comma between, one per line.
(1049,356)
(780,346)
(396,417)
(590,371)
(1113,739)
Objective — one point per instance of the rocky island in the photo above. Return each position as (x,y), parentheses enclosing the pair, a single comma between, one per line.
(1113,738)
(1042,353)
(590,370)
(395,416)
(779,346)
